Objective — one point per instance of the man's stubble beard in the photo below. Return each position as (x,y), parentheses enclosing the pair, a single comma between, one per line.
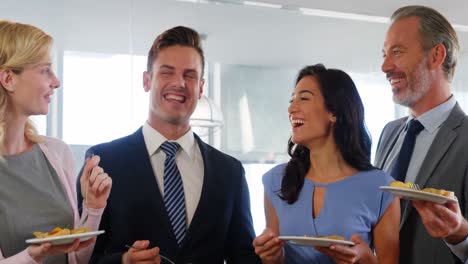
(418,88)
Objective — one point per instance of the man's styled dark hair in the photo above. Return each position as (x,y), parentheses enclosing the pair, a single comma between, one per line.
(180,35)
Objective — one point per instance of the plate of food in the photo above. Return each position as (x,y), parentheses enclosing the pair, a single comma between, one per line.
(319,241)
(63,236)
(406,191)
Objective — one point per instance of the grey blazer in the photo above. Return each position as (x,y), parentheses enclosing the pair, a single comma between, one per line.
(445,166)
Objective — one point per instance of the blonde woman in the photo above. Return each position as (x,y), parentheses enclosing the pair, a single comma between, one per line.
(37,174)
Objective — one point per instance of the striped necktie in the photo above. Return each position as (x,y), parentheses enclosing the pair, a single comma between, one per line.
(174,191)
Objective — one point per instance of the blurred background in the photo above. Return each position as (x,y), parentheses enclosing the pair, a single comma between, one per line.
(253,50)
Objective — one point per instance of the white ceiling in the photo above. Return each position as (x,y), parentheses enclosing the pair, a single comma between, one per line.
(455,10)
(241,34)
(236,33)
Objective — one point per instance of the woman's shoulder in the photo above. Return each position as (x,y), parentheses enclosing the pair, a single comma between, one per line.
(54,145)
(274,175)
(52,142)
(376,177)
(276,171)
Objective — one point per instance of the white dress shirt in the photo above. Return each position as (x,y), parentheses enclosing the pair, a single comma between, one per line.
(460,250)
(432,121)
(189,162)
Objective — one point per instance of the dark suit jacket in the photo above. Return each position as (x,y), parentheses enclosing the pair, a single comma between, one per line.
(445,166)
(221,228)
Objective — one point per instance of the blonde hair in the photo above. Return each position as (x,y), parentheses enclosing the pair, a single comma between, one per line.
(21,45)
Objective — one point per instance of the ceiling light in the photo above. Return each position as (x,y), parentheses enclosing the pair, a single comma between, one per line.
(459,27)
(343,15)
(194,1)
(262,4)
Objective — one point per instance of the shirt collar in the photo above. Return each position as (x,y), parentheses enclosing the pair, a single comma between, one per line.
(154,139)
(435,117)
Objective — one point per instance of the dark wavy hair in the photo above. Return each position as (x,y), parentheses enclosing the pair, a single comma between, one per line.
(350,133)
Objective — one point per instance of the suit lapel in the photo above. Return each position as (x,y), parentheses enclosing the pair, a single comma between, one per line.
(143,172)
(393,134)
(439,147)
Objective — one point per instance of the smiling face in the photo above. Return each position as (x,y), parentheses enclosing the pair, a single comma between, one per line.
(405,62)
(175,85)
(310,120)
(30,91)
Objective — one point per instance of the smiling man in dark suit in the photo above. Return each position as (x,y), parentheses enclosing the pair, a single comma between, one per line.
(173,194)
(420,56)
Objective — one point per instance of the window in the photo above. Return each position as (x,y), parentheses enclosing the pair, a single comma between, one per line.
(40,123)
(253,175)
(103,96)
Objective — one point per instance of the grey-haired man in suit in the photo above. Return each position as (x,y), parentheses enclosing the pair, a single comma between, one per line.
(420,55)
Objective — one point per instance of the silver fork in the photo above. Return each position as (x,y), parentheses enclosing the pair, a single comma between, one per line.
(85,203)
(415,186)
(163,257)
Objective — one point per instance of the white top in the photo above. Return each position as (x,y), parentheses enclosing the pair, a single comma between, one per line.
(189,161)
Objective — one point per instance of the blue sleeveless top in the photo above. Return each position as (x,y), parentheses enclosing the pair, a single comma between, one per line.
(353,205)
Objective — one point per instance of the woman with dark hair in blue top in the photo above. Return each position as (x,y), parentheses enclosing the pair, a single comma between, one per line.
(329,186)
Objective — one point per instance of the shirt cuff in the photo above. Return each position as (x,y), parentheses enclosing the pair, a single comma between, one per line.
(93,211)
(460,250)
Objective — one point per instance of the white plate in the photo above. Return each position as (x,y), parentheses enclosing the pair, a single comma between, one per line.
(315,241)
(66,239)
(418,195)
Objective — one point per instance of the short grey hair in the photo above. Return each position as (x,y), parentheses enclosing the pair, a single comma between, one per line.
(434,29)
